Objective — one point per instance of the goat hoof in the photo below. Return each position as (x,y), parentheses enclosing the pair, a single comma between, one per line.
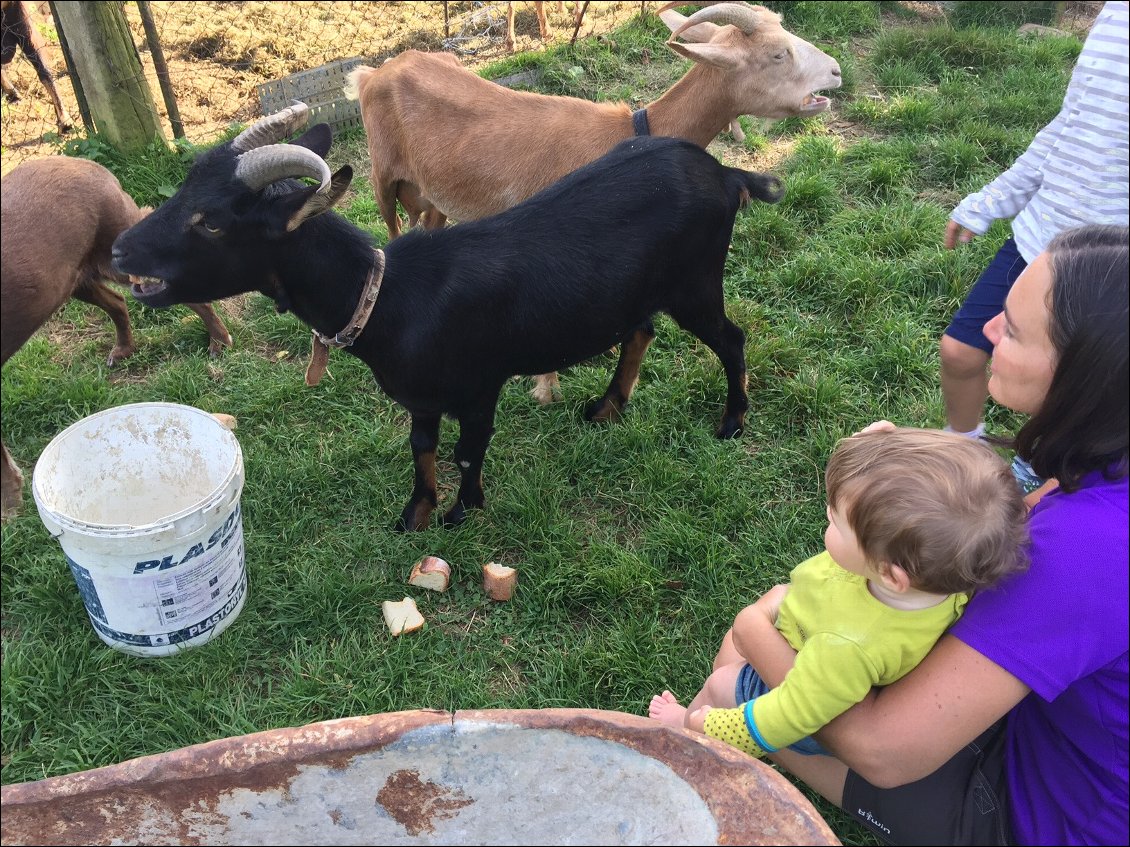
(402,525)
(415,517)
(11,503)
(602,410)
(455,516)
(545,394)
(217,345)
(729,429)
(119,354)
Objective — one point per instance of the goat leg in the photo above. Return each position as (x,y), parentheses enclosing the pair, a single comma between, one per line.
(11,93)
(731,352)
(114,305)
(386,202)
(35,56)
(11,485)
(423,439)
(217,332)
(611,405)
(708,322)
(475,431)
(543,22)
(547,388)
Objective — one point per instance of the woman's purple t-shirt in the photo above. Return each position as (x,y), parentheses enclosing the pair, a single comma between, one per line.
(1061,627)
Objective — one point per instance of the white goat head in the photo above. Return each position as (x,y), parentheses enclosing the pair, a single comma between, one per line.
(769,71)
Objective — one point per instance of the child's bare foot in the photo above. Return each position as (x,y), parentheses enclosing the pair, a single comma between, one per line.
(666,709)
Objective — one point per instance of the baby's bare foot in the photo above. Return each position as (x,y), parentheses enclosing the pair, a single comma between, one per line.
(666,709)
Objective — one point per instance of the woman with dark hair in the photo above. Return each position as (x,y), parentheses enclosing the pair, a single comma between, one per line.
(1014,727)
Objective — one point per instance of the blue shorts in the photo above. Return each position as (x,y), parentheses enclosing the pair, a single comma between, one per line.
(751,686)
(985,299)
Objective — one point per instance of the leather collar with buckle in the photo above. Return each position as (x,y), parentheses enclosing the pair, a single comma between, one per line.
(320,344)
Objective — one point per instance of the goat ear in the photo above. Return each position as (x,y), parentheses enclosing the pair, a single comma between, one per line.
(318,139)
(717,55)
(322,201)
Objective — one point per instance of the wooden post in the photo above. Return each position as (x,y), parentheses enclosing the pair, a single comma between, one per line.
(76,83)
(580,19)
(106,61)
(161,67)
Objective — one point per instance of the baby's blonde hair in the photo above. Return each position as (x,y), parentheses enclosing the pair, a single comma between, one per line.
(942,506)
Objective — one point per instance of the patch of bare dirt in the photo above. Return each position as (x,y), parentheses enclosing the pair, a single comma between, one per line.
(219,52)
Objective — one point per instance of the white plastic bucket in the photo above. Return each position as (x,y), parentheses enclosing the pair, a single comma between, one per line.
(144,499)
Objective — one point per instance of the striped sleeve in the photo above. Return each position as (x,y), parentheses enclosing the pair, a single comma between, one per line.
(1075,171)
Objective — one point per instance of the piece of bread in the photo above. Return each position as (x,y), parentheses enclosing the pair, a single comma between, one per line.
(431,572)
(226,421)
(403,616)
(499,581)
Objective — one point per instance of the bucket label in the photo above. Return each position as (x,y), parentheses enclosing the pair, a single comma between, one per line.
(221,536)
(181,635)
(168,599)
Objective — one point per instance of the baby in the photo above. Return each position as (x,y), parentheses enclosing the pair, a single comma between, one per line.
(917,520)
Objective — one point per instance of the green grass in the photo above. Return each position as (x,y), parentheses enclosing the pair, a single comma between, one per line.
(636,542)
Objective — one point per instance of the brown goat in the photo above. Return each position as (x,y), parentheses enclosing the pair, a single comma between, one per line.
(19,30)
(60,217)
(447,143)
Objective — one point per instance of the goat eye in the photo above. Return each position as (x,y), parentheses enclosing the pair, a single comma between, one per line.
(208,228)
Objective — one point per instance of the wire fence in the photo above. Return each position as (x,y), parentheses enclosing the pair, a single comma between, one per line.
(218,53)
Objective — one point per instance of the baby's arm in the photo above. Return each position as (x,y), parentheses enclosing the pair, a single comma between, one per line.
(757,639)
(830,675)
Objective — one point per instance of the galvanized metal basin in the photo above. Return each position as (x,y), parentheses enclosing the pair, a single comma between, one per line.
(544,776)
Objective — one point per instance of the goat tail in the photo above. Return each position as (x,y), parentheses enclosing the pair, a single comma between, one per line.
(355,79)
(752,185)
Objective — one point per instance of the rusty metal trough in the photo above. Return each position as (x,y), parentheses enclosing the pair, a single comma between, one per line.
(544,776)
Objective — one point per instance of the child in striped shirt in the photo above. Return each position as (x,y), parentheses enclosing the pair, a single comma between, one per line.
(1074,172)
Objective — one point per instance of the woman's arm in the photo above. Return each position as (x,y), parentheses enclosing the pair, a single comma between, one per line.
(907,730)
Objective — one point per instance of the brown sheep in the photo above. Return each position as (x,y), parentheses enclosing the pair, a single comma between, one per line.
(60,216)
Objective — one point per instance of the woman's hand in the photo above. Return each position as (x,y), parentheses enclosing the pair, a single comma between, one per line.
(878,426)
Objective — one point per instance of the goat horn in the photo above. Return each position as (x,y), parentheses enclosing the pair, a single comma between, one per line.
(272,128)
(741,15)
(260,167)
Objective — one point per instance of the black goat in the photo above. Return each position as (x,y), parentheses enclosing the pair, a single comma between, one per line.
(563,276)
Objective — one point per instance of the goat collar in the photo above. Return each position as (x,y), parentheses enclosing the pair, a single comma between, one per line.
(321,344)
(639,122)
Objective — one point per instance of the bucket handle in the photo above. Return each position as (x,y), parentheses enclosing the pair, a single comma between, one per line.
(222,505)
